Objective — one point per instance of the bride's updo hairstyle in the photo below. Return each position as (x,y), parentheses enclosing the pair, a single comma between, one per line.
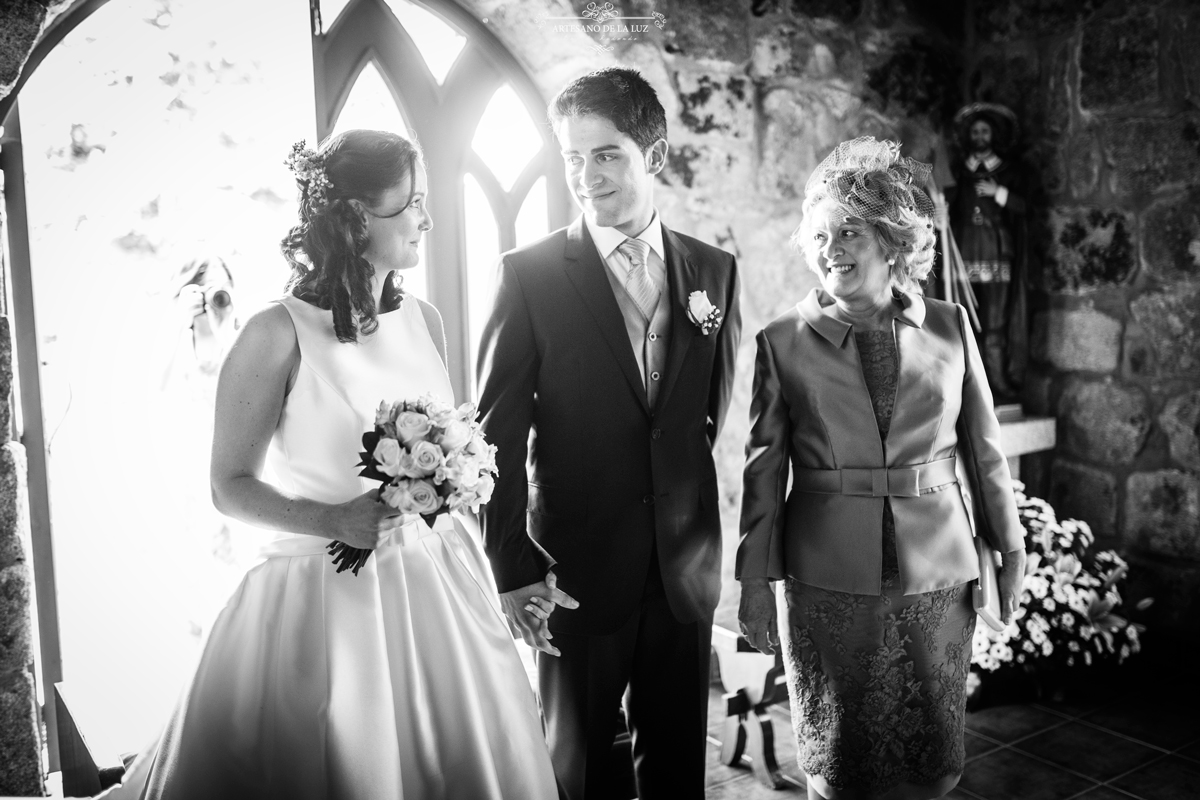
(870,180)
(325,249)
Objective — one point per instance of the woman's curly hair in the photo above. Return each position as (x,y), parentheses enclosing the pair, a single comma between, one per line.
(870,180)
(325,248)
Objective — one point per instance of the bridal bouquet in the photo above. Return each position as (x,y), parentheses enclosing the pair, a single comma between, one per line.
(431,458)
(1068,609)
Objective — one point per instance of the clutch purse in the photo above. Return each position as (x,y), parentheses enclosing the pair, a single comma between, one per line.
(985,592)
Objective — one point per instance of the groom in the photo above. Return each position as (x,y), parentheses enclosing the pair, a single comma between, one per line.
(612,342)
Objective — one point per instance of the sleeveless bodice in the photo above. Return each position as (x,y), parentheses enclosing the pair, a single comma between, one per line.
(338,386)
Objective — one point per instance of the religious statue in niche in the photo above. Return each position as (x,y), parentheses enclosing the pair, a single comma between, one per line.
(987,205)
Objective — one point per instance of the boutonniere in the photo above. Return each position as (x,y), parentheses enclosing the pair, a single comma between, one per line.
(702,313)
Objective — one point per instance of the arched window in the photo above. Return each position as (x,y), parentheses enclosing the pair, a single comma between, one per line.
(427,68)
(493,165)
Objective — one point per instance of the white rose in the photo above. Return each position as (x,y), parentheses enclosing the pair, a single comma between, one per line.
(457,434)
(484,488)
(427,457)
(412,497)
(412,425)
(387,454)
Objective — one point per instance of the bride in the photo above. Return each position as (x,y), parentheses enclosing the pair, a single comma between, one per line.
(402,681)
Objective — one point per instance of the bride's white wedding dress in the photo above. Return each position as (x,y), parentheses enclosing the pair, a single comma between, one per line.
(402,682)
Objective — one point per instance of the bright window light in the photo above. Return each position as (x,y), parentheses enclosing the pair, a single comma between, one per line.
(330,11)
(483,247)
(506,138)
(438,42)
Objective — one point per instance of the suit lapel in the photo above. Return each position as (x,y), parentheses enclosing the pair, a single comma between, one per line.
(682,279)
(586,271)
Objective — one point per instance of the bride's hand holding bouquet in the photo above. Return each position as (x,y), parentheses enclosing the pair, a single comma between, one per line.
(431,459)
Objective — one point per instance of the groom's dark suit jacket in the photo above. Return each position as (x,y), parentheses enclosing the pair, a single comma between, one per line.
(609,475)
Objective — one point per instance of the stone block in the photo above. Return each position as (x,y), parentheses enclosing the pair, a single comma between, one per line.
(20,25)
(788,147)
(709,102)
(1147,154)
(919,78)
(14,514)
(1102,422)
(1181,73)
(1083,164)
(1086,493)
(1023,19)
(1079,339)
(1171,320)
(1058,93)
(1035,394)
(15,627)
(1138,360)
(1180,420)
(20,738)
(706,29)
(802,49)
(844,11)
(1118,62)
(1171,237)
(1090,248)
(1162,513)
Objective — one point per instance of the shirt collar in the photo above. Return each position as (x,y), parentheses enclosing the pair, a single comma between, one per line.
(991,162)
(817,311)
(608,239)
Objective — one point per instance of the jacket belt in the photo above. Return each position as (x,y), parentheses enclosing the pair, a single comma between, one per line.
(885,482)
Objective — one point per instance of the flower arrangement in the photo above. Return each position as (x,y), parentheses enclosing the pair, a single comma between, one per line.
(431,458)
(1067,616)
(309,168)
(703,314)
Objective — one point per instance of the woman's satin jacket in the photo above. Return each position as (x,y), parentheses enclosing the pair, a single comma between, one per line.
(813,426)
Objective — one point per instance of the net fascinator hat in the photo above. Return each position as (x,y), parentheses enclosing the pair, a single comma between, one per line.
(872,180)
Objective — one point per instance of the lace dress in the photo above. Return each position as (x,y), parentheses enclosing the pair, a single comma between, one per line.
(877,683)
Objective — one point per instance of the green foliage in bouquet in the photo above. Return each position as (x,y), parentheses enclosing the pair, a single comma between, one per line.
(1068,613)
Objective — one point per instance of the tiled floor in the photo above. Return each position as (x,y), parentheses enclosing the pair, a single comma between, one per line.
(1144,744)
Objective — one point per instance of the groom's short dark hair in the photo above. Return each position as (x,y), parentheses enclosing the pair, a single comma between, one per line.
(621,96)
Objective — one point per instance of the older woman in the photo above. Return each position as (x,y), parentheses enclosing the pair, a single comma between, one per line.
(872,395)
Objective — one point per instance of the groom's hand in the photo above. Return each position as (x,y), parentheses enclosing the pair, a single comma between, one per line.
(528,608)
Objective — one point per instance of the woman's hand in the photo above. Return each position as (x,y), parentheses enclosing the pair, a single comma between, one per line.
(757,615)
(1012,576)
(364,522)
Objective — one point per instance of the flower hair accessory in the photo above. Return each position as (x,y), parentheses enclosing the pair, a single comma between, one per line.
(872,179)
(703,313)
(309,168)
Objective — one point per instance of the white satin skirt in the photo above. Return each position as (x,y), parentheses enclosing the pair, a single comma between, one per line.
(400,682)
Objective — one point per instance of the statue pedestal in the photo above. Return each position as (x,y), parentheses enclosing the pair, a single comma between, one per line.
(1021,435)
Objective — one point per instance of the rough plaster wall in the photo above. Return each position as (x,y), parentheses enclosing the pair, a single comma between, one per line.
(756,94)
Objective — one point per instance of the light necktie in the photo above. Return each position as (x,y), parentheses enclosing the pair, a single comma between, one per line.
(637,282)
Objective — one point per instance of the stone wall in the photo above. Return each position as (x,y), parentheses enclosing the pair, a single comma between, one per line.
(20,726)
(1110,95)
(758,91)
(756,94)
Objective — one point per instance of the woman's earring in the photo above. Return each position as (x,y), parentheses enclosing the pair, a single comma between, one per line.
(891,262)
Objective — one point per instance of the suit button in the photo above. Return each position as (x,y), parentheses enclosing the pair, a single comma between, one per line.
(648,499)
(655,376)
(653,337)
(656,433)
